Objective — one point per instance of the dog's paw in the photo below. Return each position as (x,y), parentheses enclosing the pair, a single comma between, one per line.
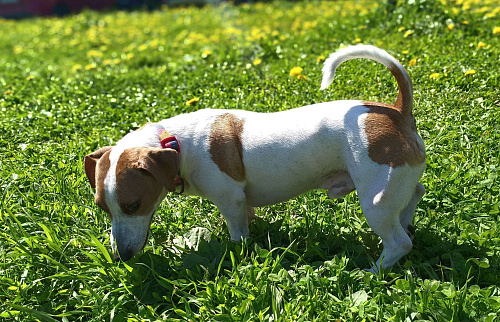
(374,270)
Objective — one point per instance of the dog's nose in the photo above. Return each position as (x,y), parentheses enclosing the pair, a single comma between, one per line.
(123,254)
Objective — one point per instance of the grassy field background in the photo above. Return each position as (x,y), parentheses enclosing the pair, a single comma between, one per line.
(71,85)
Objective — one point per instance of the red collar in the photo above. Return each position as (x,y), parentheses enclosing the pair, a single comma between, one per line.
(170,142)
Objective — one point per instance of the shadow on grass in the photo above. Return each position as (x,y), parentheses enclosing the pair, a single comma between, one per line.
(435,257)
(162,280)
(175,277)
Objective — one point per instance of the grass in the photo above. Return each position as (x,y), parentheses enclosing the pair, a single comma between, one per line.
(70,85)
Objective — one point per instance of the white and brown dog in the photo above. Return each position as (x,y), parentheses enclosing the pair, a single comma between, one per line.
(242,159)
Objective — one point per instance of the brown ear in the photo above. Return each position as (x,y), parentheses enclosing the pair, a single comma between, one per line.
(91,162)
(163,164)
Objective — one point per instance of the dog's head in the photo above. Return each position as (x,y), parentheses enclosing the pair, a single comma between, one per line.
(130,182)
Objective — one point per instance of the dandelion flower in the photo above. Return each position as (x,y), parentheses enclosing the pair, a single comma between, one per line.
(404,52)
(401,29)
(18,49)
(481,45)
(408,33)
(301,77)
(413,62)
(465,22)
(257,61)
(296,71)
(434,75)
(94,54)
(450,27)
(193,101)
(320,59)
(496,30)
(30,77)
(356,41)
(76,67)
(206,53)
(470,72)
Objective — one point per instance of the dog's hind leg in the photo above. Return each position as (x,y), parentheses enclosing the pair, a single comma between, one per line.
(385,195)
(385,223)
(406,216)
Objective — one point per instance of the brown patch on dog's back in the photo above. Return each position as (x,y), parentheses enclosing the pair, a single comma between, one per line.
(391,137)
(225,145)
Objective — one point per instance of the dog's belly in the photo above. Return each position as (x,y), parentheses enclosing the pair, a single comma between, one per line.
(338,183)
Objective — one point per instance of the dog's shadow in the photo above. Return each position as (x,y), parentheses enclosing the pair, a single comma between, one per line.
(170,276)
(160,279)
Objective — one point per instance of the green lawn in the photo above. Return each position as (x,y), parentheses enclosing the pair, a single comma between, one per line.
(71,85)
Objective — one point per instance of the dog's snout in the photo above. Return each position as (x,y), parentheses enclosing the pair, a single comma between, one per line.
(123,254)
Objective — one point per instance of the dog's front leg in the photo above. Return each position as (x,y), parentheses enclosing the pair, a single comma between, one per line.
(234,209)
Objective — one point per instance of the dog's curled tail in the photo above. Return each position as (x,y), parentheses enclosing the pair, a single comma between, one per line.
(404,101)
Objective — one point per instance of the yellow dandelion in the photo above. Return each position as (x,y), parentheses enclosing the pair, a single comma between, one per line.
(90,66)
(401,29)
(142,47)
(301,77)
(434,75)
(94,54)
(450,27)
(206,53)
(30,77)
(320,59)
(18,49)
(405,52)
(193,101)
(465,22)
(356,41)
(257,61)
(413,62)
(296,71)
(408,33)
(481,45)
(496,30)
(470,72)
(76,67)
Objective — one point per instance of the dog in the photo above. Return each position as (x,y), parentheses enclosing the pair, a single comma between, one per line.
(240,160)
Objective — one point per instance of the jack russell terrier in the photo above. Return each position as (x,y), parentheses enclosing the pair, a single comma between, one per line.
(242,159)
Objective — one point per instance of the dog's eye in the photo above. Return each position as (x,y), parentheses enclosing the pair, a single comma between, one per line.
(131,207)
